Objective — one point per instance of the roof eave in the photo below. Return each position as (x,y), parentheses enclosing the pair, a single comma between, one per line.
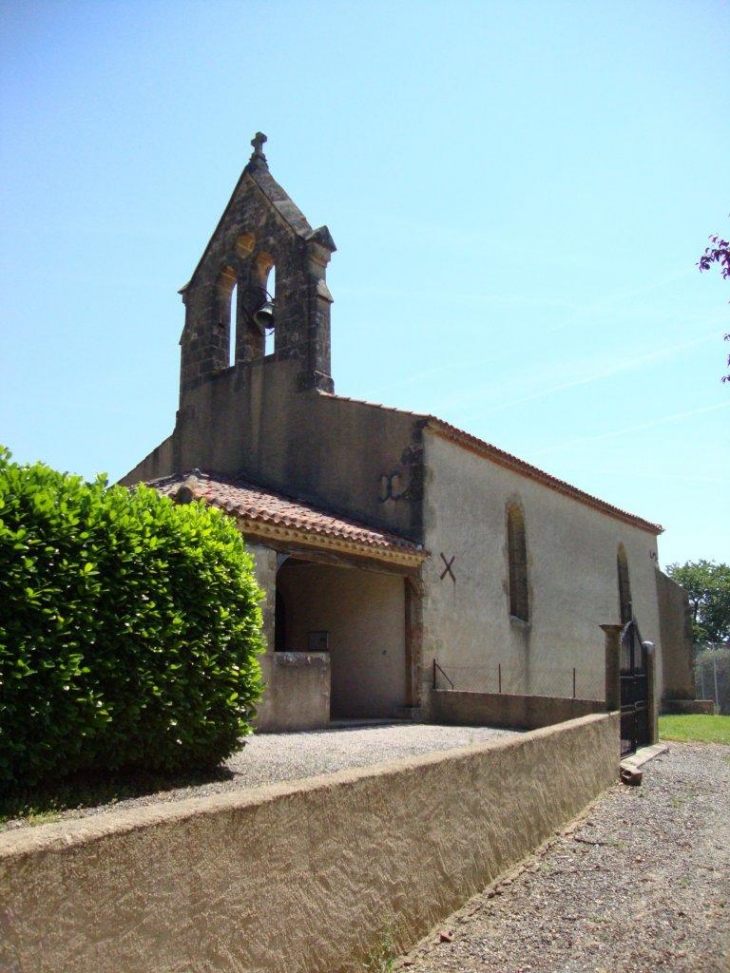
(506,460)
(318,541)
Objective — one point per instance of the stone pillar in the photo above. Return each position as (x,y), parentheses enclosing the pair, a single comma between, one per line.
(651,701)
(613,666)
(265,567)
(414,591)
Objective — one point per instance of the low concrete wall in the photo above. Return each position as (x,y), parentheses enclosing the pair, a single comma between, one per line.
(502,709)
(687,707)
(297,694)
(293,877)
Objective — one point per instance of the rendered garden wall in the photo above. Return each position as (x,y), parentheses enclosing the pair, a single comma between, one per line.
(292,877)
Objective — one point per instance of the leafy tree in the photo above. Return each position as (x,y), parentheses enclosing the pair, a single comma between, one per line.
(708,587)
(129,629)
(718,253)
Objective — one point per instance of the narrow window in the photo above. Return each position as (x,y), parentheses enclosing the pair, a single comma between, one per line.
(624,586)
(517,555)
(271,288)
(224,339)
(233,326)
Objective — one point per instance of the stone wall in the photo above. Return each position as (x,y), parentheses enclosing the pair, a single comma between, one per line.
(676,634)
(297,693)
(293,878)
(688,707)
(495,709)
(347,457)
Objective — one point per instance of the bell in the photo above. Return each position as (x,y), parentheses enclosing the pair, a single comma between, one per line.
(264,317)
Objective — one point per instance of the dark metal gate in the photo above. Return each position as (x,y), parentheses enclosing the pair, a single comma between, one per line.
(634,691)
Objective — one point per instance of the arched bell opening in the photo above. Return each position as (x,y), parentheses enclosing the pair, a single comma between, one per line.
(225,318)
(260,308)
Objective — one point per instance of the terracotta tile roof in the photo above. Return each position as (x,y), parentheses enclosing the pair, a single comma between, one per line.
(269,514)
(499,456)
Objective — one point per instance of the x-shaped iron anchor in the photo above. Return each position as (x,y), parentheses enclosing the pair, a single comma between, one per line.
(447,569)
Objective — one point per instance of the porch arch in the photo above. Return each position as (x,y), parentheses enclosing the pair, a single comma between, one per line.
(362,617)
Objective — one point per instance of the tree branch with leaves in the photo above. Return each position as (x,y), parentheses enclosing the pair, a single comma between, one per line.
(718,253)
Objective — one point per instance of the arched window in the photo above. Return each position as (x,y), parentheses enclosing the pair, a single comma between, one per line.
(233,326)
(517,557)
(624,586)
(225,341)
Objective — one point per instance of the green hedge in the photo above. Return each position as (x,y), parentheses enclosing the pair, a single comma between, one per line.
(129,629)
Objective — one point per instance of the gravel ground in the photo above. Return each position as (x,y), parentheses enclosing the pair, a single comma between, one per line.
(272,757)
(640,883)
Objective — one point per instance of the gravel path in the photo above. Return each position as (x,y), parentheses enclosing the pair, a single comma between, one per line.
(272,757)
(640,883)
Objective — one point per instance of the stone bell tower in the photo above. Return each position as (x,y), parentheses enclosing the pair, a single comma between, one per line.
(231,302)
(255,348)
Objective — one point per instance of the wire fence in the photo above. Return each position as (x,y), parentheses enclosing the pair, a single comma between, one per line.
(712,676)
(562,682)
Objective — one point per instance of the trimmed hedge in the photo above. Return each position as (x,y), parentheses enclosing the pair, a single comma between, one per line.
(129,629)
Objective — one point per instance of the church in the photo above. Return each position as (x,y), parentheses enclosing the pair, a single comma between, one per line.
(400,557)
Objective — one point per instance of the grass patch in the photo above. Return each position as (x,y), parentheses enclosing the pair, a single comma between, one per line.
(695,729)
(382,958)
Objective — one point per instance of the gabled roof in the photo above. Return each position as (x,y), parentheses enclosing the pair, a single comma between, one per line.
(506,460)
(271,515)
(499,456)
(257,172)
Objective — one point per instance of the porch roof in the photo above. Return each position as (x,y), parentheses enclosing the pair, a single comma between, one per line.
(271,515)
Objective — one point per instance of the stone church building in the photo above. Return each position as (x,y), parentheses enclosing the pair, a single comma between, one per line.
(396,552)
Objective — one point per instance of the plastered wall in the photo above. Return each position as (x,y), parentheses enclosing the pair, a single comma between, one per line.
(292,878)
(572,575)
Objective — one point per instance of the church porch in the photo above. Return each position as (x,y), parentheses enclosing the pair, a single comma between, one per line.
(342,607)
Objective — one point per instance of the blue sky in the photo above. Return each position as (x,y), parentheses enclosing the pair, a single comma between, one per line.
(519,192)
